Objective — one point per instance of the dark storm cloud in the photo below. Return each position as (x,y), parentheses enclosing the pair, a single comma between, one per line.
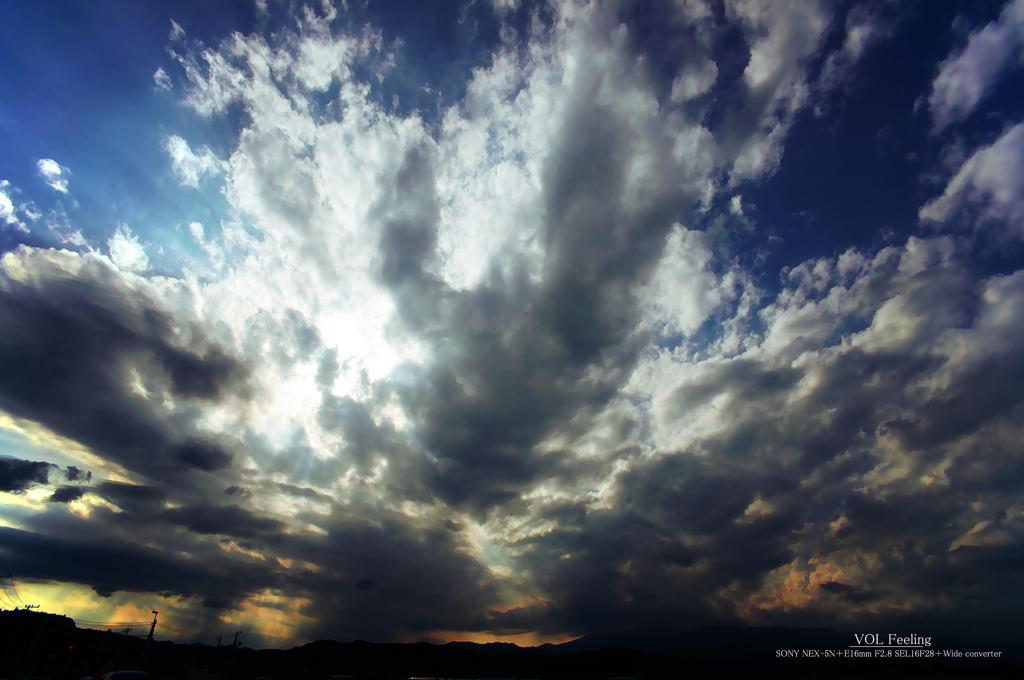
(613,572)
(72,348)
(75,474)
(750,379)
(67,349)
(510,373)
(789,442)
(226,520)
(978,396)
(366,442)
(991,467)
(200,454)
(912,534)
(684,529)
(362,435)
(192,376)
(409,233)
(379,578)
(302,492)
(109,565)
(66,494)
(484,412)
(136,498)
(513,353)
(600,243)
(236,490)
(673,539)
(845,590)
(20,475)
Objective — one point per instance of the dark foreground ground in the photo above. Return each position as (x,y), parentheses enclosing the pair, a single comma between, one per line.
(39,645)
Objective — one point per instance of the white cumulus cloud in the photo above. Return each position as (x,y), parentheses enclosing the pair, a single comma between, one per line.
(783,35)
(53,173)
(161,80)
(969,75)
(6,205)
(188,165)
(126,251)
(990,184)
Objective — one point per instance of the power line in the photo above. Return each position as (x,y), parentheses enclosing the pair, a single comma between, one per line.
(164,625)
(10,577)
(122,624)
(89,622)
(2,585)
(15,588)
(8,599)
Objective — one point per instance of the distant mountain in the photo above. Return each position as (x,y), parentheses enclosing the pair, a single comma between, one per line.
(710,640)
(744,649)
(506,648)
(53,647)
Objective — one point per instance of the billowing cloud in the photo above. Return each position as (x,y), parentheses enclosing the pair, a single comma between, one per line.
(7,206)
(109,565)
(783,36)
(864,27)
(969,75)
(778,447)
(694,81)
(125,250)
(92,361)
(188,165)
(989,186)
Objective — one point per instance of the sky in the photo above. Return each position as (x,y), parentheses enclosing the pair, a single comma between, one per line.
(515,321)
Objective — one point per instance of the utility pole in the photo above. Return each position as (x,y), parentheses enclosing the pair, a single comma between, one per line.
(10,643)
(120,649)
(28,663)
(234,652)
(149,638)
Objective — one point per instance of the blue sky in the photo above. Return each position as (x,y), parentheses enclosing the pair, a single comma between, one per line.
(509,320)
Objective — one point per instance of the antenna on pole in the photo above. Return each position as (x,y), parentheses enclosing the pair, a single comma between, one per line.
(149,638)
(234,653)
